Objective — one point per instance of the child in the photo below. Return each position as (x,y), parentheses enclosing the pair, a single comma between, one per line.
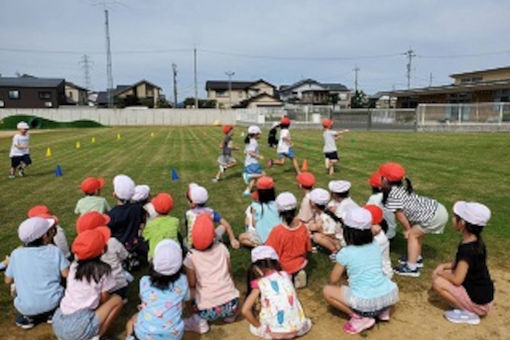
(114,255)
(37,270)
(417,214)
(370,293)
(226,161)
(91,187)
(341,201)
(326,228)
(330,149)
(376,198)
(281,315)
(60,239)
(306,181)
(272,141)
(142,197)
(163,226)
(291,240)
(466,283)
(87,309)
(252,169)
(162,292)
(285,149)
(20,153)
(379,228)
(197,198)
(264,214)
(209,273)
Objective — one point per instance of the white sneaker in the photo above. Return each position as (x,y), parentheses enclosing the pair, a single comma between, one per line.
(196,324)
(300,279)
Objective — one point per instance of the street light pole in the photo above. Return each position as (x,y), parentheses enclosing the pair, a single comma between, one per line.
(230,74)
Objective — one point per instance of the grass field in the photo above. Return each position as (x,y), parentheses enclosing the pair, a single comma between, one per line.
(447,167)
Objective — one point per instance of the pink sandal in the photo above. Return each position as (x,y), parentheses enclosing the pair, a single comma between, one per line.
(384,315)
(358,324)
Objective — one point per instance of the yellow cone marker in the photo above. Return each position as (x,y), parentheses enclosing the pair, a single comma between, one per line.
(78,144)
(152,134)
(93,139)
(48,152)
(118,136)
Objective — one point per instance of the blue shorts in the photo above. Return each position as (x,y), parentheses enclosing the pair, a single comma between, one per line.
(289,154)
(16,160)
(226,310)
(80,325)
(254,168)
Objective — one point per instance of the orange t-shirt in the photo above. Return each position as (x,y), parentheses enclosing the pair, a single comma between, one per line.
(291,245)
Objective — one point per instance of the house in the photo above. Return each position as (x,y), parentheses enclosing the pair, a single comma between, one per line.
(248,94)
(31,92)
(381,100)
(76,95)
(141,93)
(491,85)
(311,92)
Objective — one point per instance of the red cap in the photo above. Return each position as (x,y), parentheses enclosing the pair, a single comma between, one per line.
(285,121)
(376,212)
(375,180)
(306,179)
(91,243)
(327,123)
(392,171)
(91,220)
(163,203)
(265,182)
(226,128)
(90,184)
(41,211)
(202,234)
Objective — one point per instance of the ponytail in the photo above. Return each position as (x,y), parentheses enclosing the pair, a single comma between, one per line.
(288,216)
(479,244)
(409,186)
(247,138)
(333,216)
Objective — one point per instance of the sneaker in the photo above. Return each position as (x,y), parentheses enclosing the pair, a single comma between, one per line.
(462,316)
(403,260)
(215,180)
(246,177)
(270,163)
(196,324)
(300,279)
(358,324)
(315,250)
(25,322)
(246,193)
(21,172)
(12,176)
(49,319)
(404,270)
(332,257)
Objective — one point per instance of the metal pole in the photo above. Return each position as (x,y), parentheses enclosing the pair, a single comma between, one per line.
(109,73)
(356,70)
(174,71)
(230,74)
(196,79)
(501,113)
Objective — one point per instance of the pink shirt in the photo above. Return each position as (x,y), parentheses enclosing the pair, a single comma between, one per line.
(82,294)
(214,283)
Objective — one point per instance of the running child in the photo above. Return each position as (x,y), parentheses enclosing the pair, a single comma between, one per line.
(209,273)
(370,294)
(272,141)
(306,181)
(379,228)
(20,152)
(376,198)
(285,146)
(291,240)
(341,200)
(162,293)
(87,309)
(252,169)
(281,315)
(59,239)
(91,187)
(226,161)
(330,150)
(418,215)
(466,283)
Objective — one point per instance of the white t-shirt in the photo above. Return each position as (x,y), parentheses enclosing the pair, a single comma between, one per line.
(253,146)
(283,145)
(329,141)
(341,208)
(389,216)
(19,140)
(114,256)
(384,244)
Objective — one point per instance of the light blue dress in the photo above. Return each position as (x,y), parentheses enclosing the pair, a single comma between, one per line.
(266,218)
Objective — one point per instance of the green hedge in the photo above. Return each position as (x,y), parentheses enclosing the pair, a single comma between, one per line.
(10,122)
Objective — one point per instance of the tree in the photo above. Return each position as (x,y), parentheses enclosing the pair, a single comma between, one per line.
(202,103)
(359,99)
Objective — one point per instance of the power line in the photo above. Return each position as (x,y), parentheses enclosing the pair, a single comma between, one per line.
(229,75)
(410,55)
(174,72)
(195,76)
(86,65)
(109,72)
(356,70)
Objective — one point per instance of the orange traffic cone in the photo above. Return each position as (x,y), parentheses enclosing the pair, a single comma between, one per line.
(304,167)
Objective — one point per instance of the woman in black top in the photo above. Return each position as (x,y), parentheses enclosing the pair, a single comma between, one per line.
(466,282)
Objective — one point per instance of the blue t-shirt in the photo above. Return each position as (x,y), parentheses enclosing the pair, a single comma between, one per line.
(36,274)
(365,272)
(266,218)
(161,315)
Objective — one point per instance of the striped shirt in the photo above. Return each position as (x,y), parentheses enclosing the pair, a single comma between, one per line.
(417,209)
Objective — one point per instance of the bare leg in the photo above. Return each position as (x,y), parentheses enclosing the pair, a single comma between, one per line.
(296,165)
(334,295)
(130,325)
(280,161)
(246,241)
(440,285)
(325,241)
(107,312)
(414,245)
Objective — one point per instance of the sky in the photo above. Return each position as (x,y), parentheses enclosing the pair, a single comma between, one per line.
(281,41)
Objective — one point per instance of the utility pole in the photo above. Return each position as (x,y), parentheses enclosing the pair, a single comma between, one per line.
(174,71)
(196,79)
(356,70)
(86,64)
(230,74)
(430,79)
(410,55)
(109,74)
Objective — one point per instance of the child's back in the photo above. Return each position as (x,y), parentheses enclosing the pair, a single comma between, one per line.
(159,228)
(389,216)
(191,216)
(266,218)
(125,223)
(91,203)
(291,245)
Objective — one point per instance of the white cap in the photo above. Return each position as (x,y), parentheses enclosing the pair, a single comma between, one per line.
(472,212)
(124,187)
(319,196)
(141,192)
(253,130)
(263,252)
(339,186)
(197,194)
(167,257)
(22,125)
(33,228)
(286,201)
(358,218)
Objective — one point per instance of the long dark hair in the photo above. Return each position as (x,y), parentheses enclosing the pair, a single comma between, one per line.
(161,281)
(265,196)
(92,269)
(344,194)
(288,215)
(357,237)
(248,137)
(254,274)
(476,230)
(40,241)
(386,191)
